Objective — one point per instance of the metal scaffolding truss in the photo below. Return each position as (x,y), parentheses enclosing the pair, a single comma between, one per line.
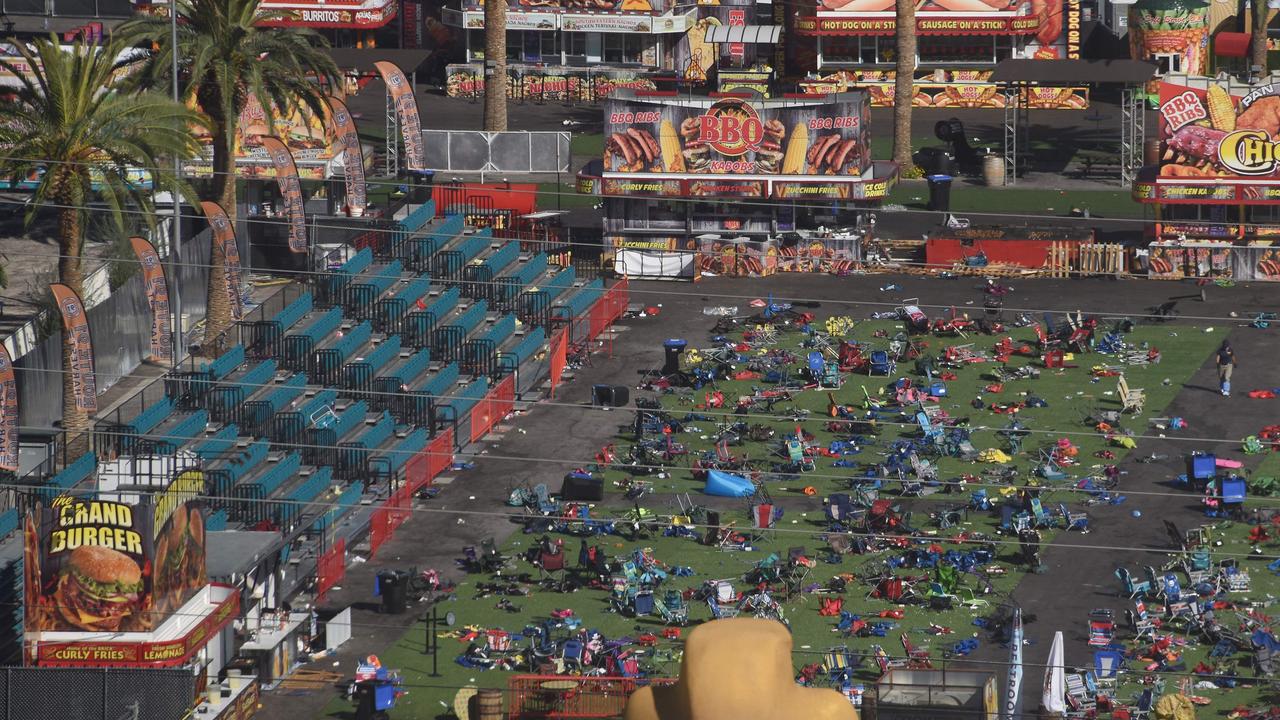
(1133,120)
(1016,129)
(393,138)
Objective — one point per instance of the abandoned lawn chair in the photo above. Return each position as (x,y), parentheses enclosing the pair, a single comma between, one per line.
(1132,399)
(723,601)
(1102,627)
(1133,588)
(917,658)
(1073,520)
(879,363)
(671,608)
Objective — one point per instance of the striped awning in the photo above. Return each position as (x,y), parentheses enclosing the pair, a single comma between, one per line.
(757,34)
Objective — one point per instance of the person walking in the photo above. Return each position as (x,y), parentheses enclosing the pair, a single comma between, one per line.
(1226,362)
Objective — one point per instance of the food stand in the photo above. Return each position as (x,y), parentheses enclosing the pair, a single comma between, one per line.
(276,644)
(1215,187)
(958,47)
(684,175)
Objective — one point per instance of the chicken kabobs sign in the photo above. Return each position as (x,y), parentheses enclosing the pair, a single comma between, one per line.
(736,137)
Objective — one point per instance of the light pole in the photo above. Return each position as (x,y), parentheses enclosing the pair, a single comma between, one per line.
(175,235)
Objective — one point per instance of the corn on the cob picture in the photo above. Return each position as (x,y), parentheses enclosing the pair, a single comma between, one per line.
(669,140)
(793,161)
(1222,112)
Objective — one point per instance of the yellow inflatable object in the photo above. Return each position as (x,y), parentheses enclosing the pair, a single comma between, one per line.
(1175,707)
(738,668)
(992,455)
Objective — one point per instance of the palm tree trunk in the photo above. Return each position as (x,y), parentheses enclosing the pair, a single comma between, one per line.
(495,64)
(74,420)
(904,82)
(1258,36)
(217,304)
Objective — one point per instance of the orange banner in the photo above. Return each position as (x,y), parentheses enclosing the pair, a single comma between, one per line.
(77,342)
(291,189)
(8,413)
(224,237)
(353,157)
(157,289)
(407,111)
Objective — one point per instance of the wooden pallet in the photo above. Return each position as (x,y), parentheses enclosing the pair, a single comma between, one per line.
(304,679)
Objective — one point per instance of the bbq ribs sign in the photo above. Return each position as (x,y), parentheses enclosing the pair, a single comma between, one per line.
(735,137)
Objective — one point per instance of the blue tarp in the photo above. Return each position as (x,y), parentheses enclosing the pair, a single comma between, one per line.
(723,484)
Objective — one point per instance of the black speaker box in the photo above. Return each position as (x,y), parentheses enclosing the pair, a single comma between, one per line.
(610,395)
(576,489)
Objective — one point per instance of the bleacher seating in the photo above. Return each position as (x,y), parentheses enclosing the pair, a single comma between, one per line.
(440,383)
(506,290)
(362,294)
(9,521)
(222,477)
(326,364)
(420,216)
(144,422)
(416,327)
(529,345)
(346,502)
(225,364)
(302,495)
(248,505)
(216,521)
(359,373)
(408,369)
(81,469)
(350,419)
(465,399)
(297,346)
(479,355)
(255,415)
(218,444)
(386,465)
(389,312)
(330,286)
(352,454)
(226,398)
(266,334)
(182,432)
(575,305)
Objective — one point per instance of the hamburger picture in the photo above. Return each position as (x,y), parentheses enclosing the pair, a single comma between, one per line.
(179,557)
(98,588)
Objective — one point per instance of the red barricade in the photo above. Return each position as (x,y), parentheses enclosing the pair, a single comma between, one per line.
(611,305)
(559,349)
(379,529)
(439,454)
(331,567)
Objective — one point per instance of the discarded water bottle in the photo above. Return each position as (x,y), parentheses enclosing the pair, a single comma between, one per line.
(891,286)
(720,310)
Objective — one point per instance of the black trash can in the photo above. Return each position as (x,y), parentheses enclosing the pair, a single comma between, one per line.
(420,185)
(393,587)
(939,192)
(366,703)
(673,348)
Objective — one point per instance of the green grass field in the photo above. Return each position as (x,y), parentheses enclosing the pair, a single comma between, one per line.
(1071,394)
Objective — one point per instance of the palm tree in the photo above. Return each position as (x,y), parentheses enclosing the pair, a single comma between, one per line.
(1258,36)
(495,60)
(904,82)
(67,124)
(228,54)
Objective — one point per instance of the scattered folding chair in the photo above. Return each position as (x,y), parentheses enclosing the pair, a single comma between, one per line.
(1073,521)
(1133,588)
(1132,400)
(1102,627)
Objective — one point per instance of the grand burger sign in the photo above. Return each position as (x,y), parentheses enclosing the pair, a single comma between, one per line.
(102,566)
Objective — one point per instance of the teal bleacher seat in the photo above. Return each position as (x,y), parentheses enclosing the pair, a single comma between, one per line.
(580,301)
(360,371)
(470,318)
(226,363)
(287,392)
(216,521)
(500,331)
(531,344)
(182,432)
(349,500)
(9,521)
(388,463)
(218,444)
(81,469)
(350,419)
(410,368)
(442,381)
(471,247)
(302,495)
(465,399)
(294,312)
